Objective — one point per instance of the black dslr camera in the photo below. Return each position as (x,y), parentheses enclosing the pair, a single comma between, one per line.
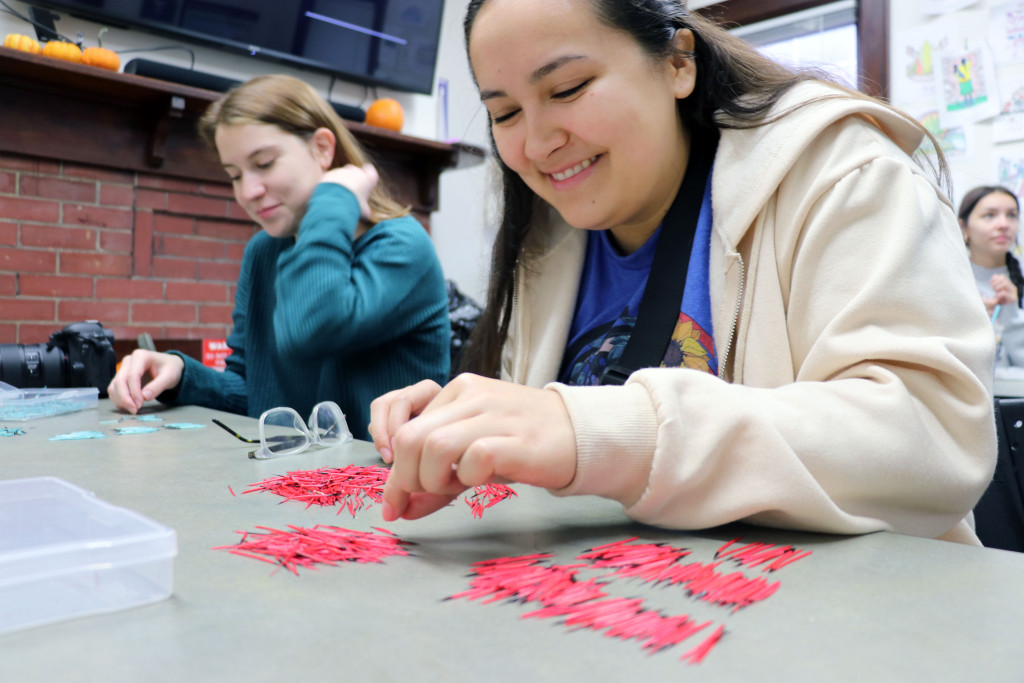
(80,355)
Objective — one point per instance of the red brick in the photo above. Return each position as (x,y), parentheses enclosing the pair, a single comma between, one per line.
(55,286)
(8,233)
(178,225)
(28,260)
(29,209)
(226,230)
(116,241)
(115,311)
(192,205)
(58,188)
(168,184)
(72,170)
(148,199)
(215,314)
(142,244)
(26,309)
(219,271)
(98,216)
(236,211)
(129,288)
(133,331)
(36,333)
(117,195)
(163,313)
(8,183)
(95,264)
(234,252)
(8,333)
(193,332)
(218,190)
(16,162)
(164,267)
(8,284)
(58,237)
(196,291)
(170,245)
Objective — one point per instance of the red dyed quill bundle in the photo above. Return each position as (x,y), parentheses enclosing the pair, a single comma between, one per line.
(299,547)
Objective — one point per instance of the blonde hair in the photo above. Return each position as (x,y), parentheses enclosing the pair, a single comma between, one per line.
(295,107)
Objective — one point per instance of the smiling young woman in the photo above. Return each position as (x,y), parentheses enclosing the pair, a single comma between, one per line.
(796,378)
(340,297)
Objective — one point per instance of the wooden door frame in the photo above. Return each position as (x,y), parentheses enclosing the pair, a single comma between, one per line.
(872,31)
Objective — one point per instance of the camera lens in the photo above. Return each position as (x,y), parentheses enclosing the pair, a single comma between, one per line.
(27,366)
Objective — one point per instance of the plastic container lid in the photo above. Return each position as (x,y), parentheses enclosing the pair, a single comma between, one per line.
(65,553)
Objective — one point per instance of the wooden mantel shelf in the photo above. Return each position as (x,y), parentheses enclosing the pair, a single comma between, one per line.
(72,112)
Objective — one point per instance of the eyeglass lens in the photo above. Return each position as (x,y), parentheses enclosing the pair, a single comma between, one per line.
(328,424)
(284,432)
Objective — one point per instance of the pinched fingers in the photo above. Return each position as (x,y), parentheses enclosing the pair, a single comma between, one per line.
(392,410)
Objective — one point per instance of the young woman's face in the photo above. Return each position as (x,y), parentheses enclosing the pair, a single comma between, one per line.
(991,229)
(273,172)
(582,114)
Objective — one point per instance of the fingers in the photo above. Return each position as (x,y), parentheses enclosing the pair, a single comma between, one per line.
(126,390)
(392,410)
(360,180)
(423,504)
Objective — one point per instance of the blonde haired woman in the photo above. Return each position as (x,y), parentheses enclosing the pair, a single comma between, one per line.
(340,297)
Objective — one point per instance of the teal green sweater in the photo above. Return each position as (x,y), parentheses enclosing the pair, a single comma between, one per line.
(322,317)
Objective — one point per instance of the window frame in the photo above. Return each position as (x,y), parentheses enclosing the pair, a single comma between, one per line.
(872,32)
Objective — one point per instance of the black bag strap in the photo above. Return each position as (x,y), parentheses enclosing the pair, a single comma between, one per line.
(659,306)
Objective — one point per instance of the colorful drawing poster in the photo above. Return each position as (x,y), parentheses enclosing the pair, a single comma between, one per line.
(1010,173)
(1009,125)
(1006,32)
(914,53)
(943,6)
(966,86)
(952,141)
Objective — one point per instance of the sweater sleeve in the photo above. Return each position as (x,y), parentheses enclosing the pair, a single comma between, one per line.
(212,388)
(887,424)
(336,295)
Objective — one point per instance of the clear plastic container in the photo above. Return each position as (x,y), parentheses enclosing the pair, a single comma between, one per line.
(29,404)
(64,553)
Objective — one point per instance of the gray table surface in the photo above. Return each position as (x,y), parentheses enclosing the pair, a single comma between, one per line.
(882,607)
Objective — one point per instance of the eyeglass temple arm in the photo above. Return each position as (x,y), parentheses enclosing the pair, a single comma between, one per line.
(232,432)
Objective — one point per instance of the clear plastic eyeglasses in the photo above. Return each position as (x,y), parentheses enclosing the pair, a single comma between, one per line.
(282,431)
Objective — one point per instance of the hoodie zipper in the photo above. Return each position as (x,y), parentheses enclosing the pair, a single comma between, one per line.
(724,360)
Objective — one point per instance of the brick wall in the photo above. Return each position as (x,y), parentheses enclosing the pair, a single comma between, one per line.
(139,252)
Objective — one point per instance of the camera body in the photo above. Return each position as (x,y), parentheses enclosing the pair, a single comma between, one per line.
(80,355)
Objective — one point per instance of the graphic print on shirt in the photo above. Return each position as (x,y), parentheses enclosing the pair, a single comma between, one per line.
(690,347)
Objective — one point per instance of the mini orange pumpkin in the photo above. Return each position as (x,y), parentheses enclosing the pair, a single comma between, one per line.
(386,113)
(101,57)
(58,49)
(17,41)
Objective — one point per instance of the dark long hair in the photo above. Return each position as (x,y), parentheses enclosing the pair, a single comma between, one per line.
(735,87)
(967,205)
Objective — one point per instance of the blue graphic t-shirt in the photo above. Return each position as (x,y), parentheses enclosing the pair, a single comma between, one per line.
(611,288)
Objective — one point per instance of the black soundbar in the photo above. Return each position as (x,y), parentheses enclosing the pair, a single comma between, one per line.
(199,79)
(175,74)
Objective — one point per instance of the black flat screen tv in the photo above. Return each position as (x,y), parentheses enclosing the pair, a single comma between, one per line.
(391,43)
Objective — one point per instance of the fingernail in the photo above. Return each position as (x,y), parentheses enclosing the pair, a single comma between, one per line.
(386,455)
(148,395)
(388,512)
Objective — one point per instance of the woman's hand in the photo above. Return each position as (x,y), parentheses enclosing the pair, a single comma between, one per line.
(1005,293)
(472,432)
(359,180)
(126,390)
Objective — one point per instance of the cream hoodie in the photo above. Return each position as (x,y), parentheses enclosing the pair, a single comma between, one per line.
(855,358)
